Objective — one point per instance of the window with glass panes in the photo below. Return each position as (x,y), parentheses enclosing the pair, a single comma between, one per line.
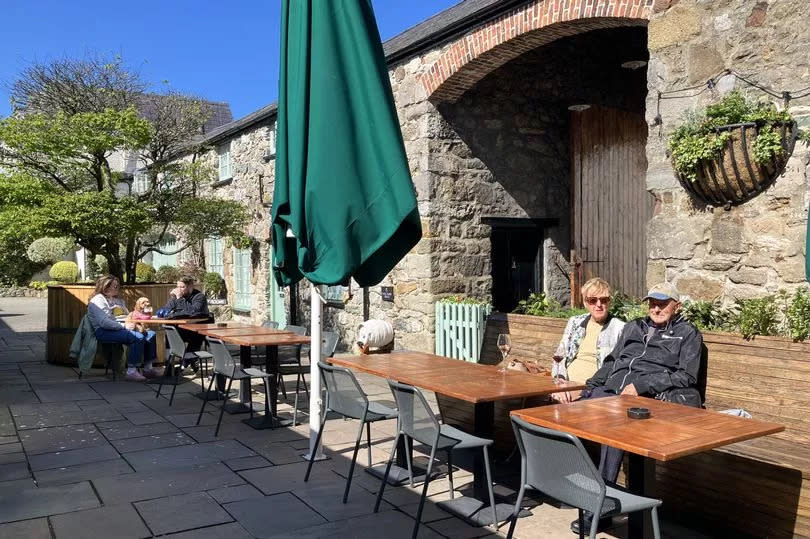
(243,298)
(213,256)
(224,152)
(141,182)
(159,259)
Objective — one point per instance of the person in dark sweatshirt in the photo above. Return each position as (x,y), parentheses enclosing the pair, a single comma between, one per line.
(185,301)
(654,356)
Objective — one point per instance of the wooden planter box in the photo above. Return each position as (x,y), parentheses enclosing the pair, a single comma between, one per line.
(67,304)
(735,176)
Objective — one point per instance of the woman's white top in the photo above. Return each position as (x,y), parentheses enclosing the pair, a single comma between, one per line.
(100,310)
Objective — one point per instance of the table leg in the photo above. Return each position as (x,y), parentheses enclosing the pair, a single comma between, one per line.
(270,420)
(476,509)
(640,480)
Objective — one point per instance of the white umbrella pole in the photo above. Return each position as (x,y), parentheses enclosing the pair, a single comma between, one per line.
(316,310)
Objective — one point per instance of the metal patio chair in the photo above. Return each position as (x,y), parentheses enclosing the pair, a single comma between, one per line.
(418,422)
(557,464)
(177,360)
(329,340)
(344,396)
(225,365)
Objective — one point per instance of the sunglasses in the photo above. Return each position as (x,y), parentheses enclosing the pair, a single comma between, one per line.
(602,299)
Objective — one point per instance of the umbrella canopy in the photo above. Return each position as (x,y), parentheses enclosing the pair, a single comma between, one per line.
(342,186)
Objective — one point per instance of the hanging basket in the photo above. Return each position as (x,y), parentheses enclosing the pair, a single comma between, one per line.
(735,177)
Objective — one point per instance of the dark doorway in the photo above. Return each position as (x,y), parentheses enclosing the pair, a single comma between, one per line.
(517,259)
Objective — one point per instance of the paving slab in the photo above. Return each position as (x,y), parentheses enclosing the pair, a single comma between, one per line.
(10,458)
(224,531)
(275,452)
(14,470)
(235,494)
(156,483)
(271,515)
(247,463)
(16,485)
(82,472)
(155,441)
(11,447)
(73,457)
(326,499)
(26,529)
(40,502)
(64,392)
(45,408)
(391,524)
(52,439)
(56,419)
(189,455)
(118,521)
(276,479)
(124,429)
(183,512)
(143,417)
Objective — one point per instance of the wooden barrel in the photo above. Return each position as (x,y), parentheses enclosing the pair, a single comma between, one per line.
(67,304)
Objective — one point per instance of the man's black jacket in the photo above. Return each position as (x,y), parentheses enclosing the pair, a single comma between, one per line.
(652,359)
(195,305)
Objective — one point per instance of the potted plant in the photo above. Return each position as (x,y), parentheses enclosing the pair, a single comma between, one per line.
(733,150)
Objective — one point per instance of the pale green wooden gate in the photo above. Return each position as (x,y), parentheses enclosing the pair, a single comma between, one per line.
(460,329)
(275,295)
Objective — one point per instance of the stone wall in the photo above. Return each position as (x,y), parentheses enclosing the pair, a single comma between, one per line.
(758,247)
(251,184)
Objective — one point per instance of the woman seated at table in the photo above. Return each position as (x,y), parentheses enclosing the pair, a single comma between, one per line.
(104,309)
(588,338)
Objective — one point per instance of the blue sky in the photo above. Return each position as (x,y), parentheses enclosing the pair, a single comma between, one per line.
(222,51)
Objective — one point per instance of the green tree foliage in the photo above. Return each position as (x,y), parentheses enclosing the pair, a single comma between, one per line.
(168,274)
(144,273)
(64,272)
(49,250)
(214,284)
(70,118)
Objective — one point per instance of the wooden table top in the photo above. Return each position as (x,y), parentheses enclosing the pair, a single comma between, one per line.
(673,430)
(216,325)
(469,382)
(251,330)
(168,321)
(275,339)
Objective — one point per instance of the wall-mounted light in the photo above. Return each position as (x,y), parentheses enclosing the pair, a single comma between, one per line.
(579,107)
(634,64)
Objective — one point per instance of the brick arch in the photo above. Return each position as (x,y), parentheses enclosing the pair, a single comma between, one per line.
(487,47)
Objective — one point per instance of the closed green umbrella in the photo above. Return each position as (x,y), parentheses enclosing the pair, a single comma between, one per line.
(343,186)
(344,204)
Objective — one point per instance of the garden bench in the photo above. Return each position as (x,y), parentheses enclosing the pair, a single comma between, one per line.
(757,488)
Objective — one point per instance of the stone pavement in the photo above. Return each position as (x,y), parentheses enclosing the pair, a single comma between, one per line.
(96,458)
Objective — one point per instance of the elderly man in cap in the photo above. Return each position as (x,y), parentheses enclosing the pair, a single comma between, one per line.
(657,356)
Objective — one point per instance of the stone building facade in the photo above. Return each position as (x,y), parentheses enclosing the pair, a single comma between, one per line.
(482,92)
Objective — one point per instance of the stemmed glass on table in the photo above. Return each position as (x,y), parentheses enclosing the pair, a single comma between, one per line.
(505,346)
(558,372)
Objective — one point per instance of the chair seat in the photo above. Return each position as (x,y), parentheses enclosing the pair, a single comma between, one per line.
(253,372)
(378,412)
(285,370)
(619,501)
(458,439)
(203,355)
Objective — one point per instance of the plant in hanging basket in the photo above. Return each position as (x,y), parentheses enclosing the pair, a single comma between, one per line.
(733,150)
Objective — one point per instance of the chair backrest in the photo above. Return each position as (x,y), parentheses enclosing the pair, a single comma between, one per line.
(557,464)
(329,340)
(416,419)
(224,362)
(298,330)
(270,324)
(177,347)
(343,393)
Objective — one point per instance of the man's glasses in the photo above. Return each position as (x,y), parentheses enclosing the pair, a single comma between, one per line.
(602,299)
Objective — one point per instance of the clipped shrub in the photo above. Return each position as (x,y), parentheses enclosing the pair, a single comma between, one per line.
(38,285)
(144,273)
(49,250)
(168,274)
(214,285)
(798,315)
(758,316)
(64,272)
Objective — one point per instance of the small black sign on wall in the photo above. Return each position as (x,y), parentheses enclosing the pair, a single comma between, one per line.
(387,293)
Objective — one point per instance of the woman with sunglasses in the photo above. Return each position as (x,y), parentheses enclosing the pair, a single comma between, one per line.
(588,338)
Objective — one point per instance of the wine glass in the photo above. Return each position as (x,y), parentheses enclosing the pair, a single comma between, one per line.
(505,346)
(558,370)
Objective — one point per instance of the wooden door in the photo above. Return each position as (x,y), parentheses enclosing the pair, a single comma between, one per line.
(610,203)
